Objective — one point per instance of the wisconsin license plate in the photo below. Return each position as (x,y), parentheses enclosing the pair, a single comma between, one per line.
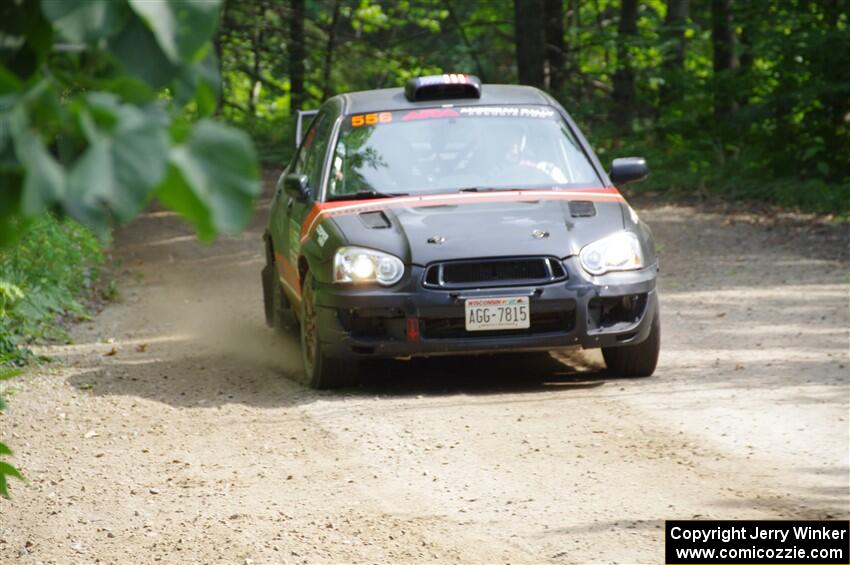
(497,313)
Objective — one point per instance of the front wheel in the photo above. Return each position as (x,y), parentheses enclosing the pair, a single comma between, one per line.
(320,370)
(637,360)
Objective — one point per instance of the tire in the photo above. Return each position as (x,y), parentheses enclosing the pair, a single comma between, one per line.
(637,360)
(321,371)
(276,308)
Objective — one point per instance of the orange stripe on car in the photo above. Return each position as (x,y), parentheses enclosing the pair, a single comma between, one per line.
(346,207)
(288,274)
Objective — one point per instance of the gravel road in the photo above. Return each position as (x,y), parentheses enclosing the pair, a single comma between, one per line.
(175,429)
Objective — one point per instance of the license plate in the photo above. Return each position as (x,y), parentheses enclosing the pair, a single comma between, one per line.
(497,313)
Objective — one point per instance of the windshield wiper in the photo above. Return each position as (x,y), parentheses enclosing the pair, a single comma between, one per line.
(491,189)
(478,189)
(486,189)
(367,194)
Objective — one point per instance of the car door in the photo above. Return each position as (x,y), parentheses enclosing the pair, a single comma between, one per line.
(292,212)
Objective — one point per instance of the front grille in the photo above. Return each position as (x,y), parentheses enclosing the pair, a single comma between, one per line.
(495,272)
(541,323)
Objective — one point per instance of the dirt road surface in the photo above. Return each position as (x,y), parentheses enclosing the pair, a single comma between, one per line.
(176,431)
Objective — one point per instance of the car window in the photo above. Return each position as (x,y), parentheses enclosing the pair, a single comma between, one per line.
(315,160)
(311,155)
(304,148)
(446,149)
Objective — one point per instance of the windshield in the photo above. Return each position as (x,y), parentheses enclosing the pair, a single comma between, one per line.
(450,149)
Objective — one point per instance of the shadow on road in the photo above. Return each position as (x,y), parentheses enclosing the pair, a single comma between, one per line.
(180,374)
(491,374)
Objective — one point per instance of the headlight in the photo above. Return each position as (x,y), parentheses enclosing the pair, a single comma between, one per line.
(618,252)
(358,264)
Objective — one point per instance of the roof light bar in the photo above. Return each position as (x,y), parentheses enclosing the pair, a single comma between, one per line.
(442,87)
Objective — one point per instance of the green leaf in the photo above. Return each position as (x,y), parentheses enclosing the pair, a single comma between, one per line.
(7,470)
(214,178)
(44,178)
(199,82)
(182,27)
(27,37)
(130,90)
(6,374)
(122,165)
(4,449)
(176,194)
(11,179)
(9,84)
(86,21)
(140,54)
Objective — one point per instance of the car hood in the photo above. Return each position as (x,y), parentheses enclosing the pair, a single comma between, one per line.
(421,232)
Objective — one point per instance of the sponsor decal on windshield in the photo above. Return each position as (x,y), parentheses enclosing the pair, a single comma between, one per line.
(377,118)
(430,113)
(507,111)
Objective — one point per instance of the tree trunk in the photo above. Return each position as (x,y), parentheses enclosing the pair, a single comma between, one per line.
(329,53)
(256,85)
(673,37)
(723,42)
(600,25)
(555,46)
(297,53)
(530,41)
(743,80)
(575,30)
(624,76)
(219,98)
(837,104)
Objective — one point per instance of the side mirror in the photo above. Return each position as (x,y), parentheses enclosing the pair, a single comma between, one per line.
(295,186)
(628,169)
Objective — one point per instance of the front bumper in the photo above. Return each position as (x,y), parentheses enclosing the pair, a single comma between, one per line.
(413,321)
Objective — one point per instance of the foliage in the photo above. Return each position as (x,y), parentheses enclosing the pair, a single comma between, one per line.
(786,140)
(104,105)
(6,470)
(97,101)
(42,279)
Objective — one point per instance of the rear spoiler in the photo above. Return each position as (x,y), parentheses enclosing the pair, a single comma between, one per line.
(303,116)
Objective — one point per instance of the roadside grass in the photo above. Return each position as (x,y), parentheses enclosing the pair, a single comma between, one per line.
(46,280)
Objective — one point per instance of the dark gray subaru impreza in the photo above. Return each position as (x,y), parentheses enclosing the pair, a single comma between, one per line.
(455,218)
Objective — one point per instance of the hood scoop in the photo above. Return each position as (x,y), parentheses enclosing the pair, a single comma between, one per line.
(582,209)
(375,220)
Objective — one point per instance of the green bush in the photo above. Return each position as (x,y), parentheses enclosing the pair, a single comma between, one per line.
(273,136)
(680,164)
(43,279)
(6,470)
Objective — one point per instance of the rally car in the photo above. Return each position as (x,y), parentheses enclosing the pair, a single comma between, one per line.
(454,218)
